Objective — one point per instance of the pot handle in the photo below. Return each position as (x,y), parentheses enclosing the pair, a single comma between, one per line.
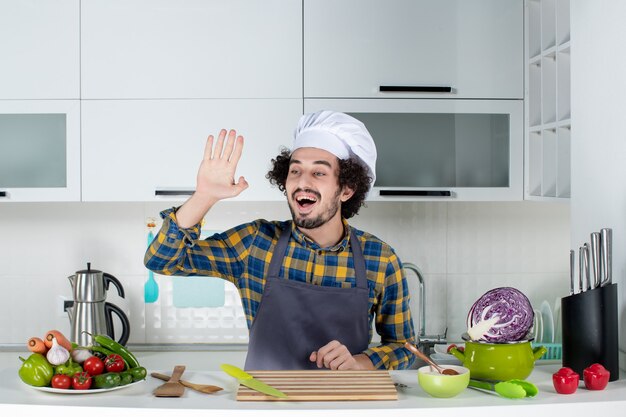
(539,351)
(108,310)
(457,353)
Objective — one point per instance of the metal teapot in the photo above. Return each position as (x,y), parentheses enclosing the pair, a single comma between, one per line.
(89,312)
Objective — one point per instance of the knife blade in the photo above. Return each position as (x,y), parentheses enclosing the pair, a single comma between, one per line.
(606,249)
(249,381)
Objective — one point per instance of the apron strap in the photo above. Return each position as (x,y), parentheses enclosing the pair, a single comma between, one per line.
(279,253)
(357,258)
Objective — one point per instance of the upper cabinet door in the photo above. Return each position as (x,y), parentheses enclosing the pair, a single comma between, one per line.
(39,150)
(150,150)
(352,48)
(39,49)
(191,49)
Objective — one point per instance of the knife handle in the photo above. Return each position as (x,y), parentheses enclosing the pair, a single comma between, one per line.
(606,249)
(572,272)
(595,258)
(588,286)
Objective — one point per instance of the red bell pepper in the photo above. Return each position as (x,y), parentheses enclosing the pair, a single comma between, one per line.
(596,377)
(565,381)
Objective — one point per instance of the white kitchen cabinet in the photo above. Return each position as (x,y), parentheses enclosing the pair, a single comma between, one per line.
(39,150)
(353,47)
(133,150)
(191,49)
(548,109)
(39,46)
(441,150)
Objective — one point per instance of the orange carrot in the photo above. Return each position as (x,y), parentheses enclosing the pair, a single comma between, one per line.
(61,340)
(36,345)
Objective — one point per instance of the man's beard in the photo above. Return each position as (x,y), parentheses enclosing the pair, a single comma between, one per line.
(321,219)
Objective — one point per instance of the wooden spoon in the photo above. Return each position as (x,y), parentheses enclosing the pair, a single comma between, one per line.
(443,371)
(172,388)
(207,389)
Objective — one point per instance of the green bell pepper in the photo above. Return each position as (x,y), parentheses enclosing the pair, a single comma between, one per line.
(36,370)
(69,368)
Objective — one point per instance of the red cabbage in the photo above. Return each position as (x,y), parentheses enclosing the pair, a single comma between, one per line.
(510,308)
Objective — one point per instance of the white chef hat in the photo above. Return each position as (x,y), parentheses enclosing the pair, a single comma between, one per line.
(340,134)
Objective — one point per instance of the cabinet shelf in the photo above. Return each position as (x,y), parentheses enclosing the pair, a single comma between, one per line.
(548,129)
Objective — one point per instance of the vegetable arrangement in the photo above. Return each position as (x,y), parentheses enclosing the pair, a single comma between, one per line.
(56,362)
(500,315)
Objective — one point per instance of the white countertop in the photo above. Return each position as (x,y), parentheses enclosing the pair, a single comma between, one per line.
(17,397)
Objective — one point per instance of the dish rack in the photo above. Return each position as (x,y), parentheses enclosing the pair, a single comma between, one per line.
(555,351)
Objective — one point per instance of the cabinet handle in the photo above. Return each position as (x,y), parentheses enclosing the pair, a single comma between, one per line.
(173,192)
(3,193)
(415,193)
(414,89)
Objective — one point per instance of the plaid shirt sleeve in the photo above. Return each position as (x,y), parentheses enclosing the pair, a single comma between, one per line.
(177,251)
(393,321)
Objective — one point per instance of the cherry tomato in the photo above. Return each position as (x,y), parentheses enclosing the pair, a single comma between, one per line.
(596,377)
(93,366)
(565,381)
(61,381)
(81,380)
(114,363)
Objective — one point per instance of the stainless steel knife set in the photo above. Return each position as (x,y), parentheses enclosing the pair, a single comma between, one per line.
(594,263)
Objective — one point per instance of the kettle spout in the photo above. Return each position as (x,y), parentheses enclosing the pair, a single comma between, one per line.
(72,279)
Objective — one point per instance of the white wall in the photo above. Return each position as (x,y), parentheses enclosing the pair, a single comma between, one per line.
(598,138)
(464,249)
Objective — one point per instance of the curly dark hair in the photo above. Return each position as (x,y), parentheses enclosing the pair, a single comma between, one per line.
(351,174)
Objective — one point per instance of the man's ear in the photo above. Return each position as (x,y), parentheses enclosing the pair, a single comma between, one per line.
(346,194)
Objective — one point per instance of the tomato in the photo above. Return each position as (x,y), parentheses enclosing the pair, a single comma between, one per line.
(81,380)
(93,366)
(61,381)
(596,377)
(114,363)
(565,381)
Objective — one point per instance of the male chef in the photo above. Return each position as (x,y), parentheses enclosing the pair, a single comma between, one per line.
(312,286)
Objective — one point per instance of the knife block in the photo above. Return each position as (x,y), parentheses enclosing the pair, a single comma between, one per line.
(590,330)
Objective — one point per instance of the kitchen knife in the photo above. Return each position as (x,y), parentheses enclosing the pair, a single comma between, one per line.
(606,249)
(595,259)
(588,286)
(581,269)
(572,261)
(248,380)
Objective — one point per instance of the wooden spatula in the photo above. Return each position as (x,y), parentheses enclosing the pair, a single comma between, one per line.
(207,389)
(172,388)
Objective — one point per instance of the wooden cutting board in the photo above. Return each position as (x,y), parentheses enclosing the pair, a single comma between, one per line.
(323,385)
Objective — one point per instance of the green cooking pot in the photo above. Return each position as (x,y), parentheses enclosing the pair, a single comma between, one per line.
(499,361)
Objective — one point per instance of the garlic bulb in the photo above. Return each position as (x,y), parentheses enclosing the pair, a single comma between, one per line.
(57,353)
(81,355)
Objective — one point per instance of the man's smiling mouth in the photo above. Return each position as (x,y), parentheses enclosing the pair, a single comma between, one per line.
(305,200)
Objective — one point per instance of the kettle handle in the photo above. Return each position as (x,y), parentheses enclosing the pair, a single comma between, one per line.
(108,278)
(108,310)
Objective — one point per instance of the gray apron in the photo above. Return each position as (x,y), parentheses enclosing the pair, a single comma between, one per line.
(296,318)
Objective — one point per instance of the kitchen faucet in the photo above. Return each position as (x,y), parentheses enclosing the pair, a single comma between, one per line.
(425,343)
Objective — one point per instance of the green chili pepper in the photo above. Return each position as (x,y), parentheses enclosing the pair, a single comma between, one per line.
(36,370)
(108,380)
(138,373)
(108,343)
(125,378)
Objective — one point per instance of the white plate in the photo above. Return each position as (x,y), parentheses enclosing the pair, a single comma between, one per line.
(84,391)
(548,322)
